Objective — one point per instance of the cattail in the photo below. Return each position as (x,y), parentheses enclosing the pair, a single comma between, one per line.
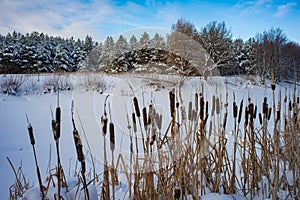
(285,99)
(234,106)
(246,116)
(134,122)
(112,136)
(251,111)
(196,102)
(255,112)
(30,132)
(278,115)
(183,113)
(144,111)
(57,119)
(217,105)
(151,113)
(240,112)
(298,100)
(201,108)
(104,124)
(225,120)
(273,87)
(190,111)
(260,118)
(213,105)
(265,106)
(290,106)
(136,107)
(206,108)
(177,193)
(78,145)
(172,103)
(269,113)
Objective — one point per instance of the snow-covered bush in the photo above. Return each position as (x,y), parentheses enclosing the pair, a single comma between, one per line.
(10,84)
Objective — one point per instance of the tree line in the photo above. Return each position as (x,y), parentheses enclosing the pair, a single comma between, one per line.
(210,47)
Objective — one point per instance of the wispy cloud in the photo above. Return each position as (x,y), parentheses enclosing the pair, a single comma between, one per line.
(253,7)
(284,9)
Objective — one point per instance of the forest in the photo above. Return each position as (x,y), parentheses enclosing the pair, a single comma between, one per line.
(263,54)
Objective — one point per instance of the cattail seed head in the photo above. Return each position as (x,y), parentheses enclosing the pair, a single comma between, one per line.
(260,118)
(273,87)
(196,102)
(217,105)
(134,122)
(240,112)
(206,108)
(144,112)
(172,103)
(298,100)
(269,113)
(112,136)
(136,107)
(201,108)
(104,124)
(225,121)
(190,111)
(278,115)
(234,106)
(255,112)
(246,116)
(30,132)
(213,105)
(290,106)
(58,122)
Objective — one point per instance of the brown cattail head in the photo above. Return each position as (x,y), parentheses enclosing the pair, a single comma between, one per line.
(260,118)
(269,113)
(201,108)
(246,116)
(273,87)
(265,107)
(240,112)
(151,113)
(217,105)
(190,111)
(213,105)
(172,103)
(196,102)
(145,120)
(134,122)
(290,106)
(136,107)
(53,125)
(30,132)
(104,124)
(255,112)
(58,121)
(112,136)
(225,121)
(298,100)
(278,115)
(177,193)
(234,107)
(206,108)
(78,145)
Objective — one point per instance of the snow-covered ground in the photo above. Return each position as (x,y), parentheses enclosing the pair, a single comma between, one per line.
(36,100)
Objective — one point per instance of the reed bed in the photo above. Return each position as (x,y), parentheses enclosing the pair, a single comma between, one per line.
(191,156)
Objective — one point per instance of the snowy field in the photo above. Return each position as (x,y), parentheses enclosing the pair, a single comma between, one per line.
(38,96)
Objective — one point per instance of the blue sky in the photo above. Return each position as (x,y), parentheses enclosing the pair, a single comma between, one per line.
(100,18)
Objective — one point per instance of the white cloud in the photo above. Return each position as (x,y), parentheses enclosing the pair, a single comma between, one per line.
(250,7)
(284,9)
(58,17)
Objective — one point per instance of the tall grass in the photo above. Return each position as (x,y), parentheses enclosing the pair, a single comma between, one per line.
(192,156)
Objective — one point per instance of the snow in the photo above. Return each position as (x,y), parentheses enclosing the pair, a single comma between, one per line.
(15,143)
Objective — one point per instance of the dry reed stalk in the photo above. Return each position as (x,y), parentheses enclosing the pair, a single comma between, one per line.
(80,155)
(32,142)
